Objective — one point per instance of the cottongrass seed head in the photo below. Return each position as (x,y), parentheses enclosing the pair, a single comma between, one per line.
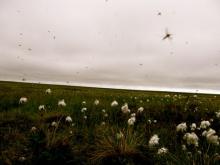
(193,126)
(61,103)
(184,147)
(211,137)
(125,108)
(69,119)
(205,124)
(133,115)
(23,100)
(217,114)
(114,103)
(54,124)
(48,91)
(191,139)
(96,102)
(131,121)
(84,109)
(140,110)
(181,127)
(162,151)
(154,140)
(33,129)
(41,107)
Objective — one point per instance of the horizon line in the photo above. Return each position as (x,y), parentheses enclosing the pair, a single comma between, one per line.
(123,87)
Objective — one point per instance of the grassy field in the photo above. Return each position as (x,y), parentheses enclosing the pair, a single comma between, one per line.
(89,130)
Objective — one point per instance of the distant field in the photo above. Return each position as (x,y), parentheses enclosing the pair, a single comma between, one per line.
(87,127)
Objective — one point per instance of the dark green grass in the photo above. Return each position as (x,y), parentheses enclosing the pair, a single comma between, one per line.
(90,142)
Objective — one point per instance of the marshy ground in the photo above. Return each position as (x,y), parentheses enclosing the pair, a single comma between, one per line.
(54,124)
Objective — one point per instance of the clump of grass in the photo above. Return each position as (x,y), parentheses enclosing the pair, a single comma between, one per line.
(51,146)
(115,146)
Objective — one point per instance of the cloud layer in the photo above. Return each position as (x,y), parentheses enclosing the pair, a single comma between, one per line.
(114,42)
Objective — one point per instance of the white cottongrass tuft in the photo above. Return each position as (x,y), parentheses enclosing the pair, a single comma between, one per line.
(155,121)
(162,151)
(54,124)
(167,96)
(211,137)
(96,102)
(140,110)
(69,119)
(85,117)
(48,91)
(149,121)
(125,108)
(217,114)
(84,103)
(193,126)
(61,103)
(131,121)
(184,147)
(114,103)
(33,129)
(199,152)
(41,107)
(23,100)
(133,115)
(181,127)
(204,124)
(191,139)
(154,140)
(84,109)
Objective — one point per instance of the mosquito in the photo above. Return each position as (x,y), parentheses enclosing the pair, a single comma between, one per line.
(167,35)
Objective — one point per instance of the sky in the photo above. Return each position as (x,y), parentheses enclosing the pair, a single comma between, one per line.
(112,43)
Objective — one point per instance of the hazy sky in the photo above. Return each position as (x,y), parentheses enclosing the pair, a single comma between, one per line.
(112,42)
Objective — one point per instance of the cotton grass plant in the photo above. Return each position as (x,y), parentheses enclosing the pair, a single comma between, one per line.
(116,144)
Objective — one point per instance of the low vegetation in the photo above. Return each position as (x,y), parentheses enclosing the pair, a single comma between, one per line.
(53,124)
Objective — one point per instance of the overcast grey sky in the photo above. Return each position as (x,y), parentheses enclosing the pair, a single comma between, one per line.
(112,42)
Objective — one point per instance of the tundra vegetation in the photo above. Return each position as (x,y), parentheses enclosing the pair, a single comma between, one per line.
(52,124)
